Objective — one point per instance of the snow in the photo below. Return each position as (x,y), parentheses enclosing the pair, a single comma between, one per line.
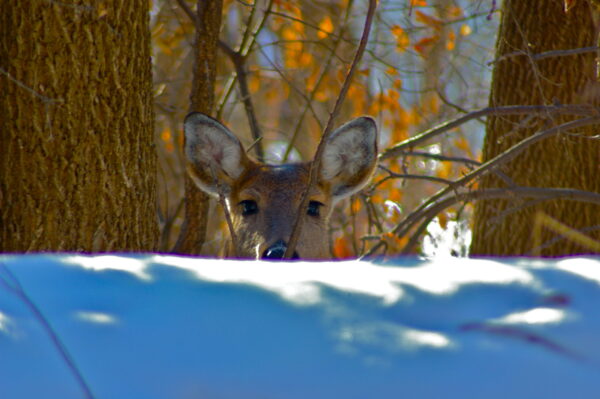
(154,326)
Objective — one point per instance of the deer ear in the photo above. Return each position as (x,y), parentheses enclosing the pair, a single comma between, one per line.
(217,157)
(349,157)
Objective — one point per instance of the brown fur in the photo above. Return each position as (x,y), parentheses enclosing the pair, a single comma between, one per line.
(220,165)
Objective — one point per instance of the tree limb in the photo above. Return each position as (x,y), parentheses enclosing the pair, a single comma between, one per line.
(581,110)
(407,224)
(315,165)
(544,194)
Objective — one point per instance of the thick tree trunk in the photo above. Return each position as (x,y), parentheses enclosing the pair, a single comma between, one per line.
(78,166)
(208,25)
(568,161)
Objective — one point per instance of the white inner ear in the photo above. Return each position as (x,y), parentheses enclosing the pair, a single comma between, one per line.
(211,144)
(341,155)
(349,149)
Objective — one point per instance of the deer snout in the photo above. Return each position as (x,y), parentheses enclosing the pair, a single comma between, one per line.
(277,251)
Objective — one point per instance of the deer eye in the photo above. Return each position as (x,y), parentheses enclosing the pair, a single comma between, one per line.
(314,208)
(249,207)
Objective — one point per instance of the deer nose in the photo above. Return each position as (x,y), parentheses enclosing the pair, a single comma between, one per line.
(277,250)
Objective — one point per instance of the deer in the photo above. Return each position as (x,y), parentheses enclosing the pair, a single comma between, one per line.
(263,199)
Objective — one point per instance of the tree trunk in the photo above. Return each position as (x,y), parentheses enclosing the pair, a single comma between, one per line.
(566,161)
(78,166)
(208,25)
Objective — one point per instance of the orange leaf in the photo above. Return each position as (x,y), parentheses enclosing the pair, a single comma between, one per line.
(422,45)
(356,205)
(254,83)
(394,241)
(462,144)
(396,195)
(451,42)
(305,59)
(342,248)
(326,28)
(391,71)
(418,3)
(402,40)
(444,170)
(455,12)
(428,20)
(433,104)
(166,135)
(443,219)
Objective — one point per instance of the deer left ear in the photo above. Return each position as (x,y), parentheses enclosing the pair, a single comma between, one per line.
(350,157)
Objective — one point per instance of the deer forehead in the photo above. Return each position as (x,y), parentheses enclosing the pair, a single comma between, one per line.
(277,183)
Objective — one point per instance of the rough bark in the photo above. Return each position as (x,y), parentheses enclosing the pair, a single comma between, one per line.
(78,165)
(567,161)
(208,24)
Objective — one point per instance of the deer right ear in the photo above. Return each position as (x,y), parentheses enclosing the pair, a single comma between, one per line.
(216,155)
(350,157)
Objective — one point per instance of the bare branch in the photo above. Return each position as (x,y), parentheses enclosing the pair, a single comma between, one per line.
(225,207)
(238,58)
(544,194)
(188,10)
(291,85)
(581,110)
(546,54)
(440,157)
(44,99)
(313,93)
(314,167)
(394,175)
(239,63)
(407,224)
(565,233)
(13,285)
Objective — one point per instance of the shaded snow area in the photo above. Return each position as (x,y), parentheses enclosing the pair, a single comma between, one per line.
(149,326)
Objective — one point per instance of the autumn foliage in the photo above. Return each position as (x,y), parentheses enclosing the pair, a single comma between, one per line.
(425,63)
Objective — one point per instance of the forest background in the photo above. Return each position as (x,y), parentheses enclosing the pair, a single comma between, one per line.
(83,132)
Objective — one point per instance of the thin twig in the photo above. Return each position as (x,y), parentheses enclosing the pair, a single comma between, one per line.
(315,165)
(595,246)
(224,204)
(403,227)
(238,59)
(543,194)
(581,110)
(15,287)
(290,84)
(317,85)
(546,54)
(251,146)
(540,193)
(239,63)
(393,175)
(44,99)
(440,157)
(187,9)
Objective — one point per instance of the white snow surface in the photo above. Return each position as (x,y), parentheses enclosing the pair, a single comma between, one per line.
(153,326)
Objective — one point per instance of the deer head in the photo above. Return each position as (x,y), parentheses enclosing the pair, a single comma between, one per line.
(263,199)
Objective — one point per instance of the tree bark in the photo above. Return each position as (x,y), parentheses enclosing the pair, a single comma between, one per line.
(567,161)
(197,204)
(78,164)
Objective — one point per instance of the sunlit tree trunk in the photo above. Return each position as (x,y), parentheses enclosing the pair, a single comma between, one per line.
(208,24)
(77,163)
(566,161)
